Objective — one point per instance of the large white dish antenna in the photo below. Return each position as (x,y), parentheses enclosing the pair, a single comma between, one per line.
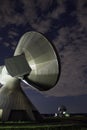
(42,59)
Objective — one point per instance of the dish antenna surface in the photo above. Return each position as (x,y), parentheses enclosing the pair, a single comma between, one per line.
(35,62)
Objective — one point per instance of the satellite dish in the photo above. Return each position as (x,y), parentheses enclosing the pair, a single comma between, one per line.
(35,62)
(42,59)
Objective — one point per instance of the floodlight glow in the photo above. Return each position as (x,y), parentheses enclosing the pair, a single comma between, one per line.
(64,112)
(1,112)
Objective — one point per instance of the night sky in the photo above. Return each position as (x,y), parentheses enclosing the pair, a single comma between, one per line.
(64,23)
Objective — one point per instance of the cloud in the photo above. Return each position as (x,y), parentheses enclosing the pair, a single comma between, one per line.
(42,26)
(30,13)
(10,16)
(44,22)
(82,12)
(12,34)
(6,44)
(60,8)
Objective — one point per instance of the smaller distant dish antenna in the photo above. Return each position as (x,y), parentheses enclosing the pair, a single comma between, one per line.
(35,62)
(62,111)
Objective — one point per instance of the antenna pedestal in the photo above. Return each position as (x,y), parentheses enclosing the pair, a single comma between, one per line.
(15,106)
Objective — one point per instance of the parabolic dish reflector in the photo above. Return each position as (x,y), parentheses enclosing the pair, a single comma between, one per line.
(42,59)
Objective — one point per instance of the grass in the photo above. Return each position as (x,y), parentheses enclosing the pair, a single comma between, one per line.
(45,127)
(70,123)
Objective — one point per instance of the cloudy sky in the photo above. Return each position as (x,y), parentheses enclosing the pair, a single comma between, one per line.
(64,23)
